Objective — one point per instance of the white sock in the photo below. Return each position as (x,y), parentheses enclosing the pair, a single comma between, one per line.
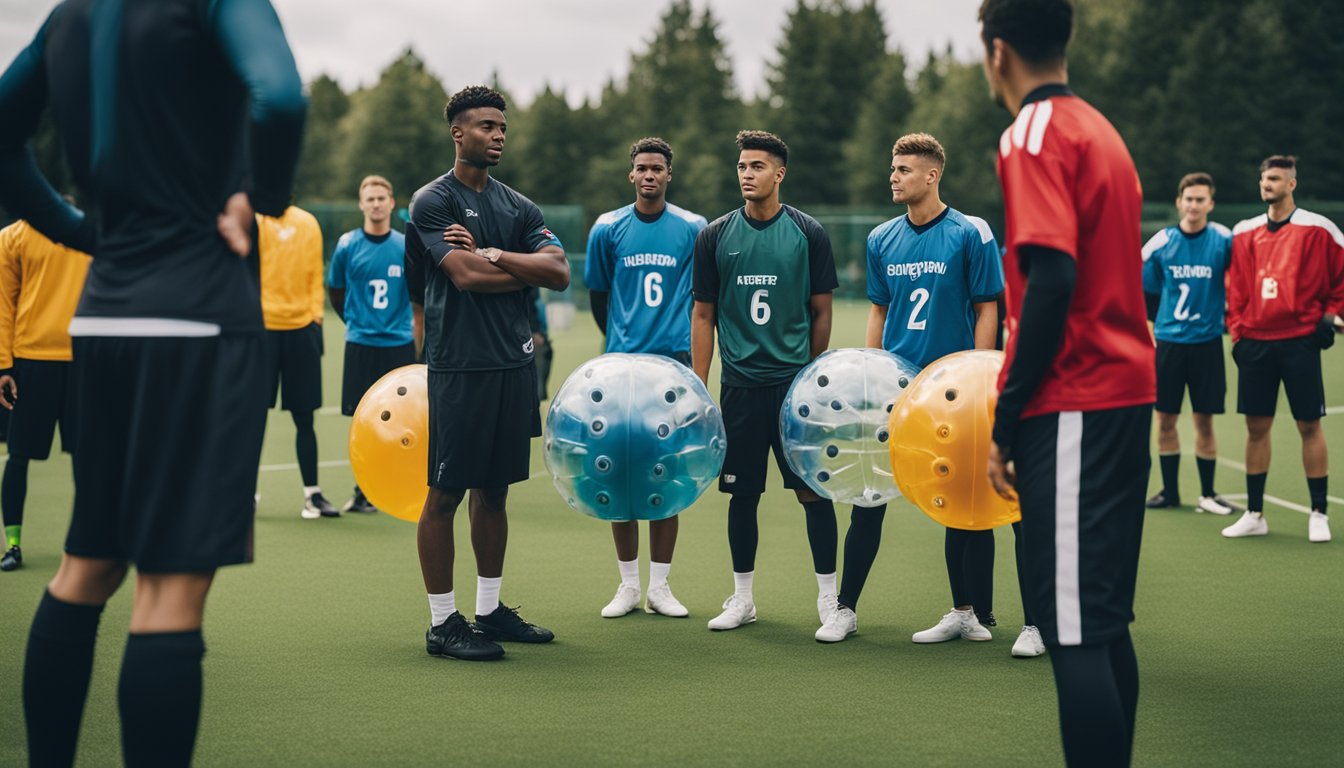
(658,574)
(487,595)
(309,490)
(441,607)
(826,583)
(742,584)
(629,572)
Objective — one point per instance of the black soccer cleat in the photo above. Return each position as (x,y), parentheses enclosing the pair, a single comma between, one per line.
(358,503)
(987,620)
(1160,500)
(12,560)
(504,624)
(455,639)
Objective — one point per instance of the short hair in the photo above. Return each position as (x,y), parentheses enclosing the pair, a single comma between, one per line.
(764,141)
(471,97)
(1196,179)
(1039,30)
(1287,162)
(920,145)
(651,144)
(374,180)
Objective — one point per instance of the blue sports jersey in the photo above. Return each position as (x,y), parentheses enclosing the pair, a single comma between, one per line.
(1187,272)
(646,267)
(929,277)
(377,304)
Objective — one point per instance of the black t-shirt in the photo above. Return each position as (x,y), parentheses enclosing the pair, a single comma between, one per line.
(465,330)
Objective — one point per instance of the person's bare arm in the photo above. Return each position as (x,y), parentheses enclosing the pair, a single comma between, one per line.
(703,315)
(877,320)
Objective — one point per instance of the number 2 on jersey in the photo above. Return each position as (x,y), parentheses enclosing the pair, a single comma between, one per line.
(379,293)
(920,296)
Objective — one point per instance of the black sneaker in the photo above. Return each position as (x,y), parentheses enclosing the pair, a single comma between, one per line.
(988,620)
(316,506)
(1160,500)
(504,623)
(12,560)
(455,639)
(1228,504)
(358,503)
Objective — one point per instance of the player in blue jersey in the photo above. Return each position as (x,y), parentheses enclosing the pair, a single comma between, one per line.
(367,287)
(1183,270)
(638,273)
(934,275)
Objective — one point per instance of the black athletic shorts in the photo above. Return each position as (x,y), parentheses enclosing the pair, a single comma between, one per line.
(1261,365)
(751,425)
(46,398)
(365,365)
(1199,367)
(1082,478)
(481,425)
(295,358)
(169,440)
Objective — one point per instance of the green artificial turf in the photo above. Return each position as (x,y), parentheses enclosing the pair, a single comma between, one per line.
(316,651)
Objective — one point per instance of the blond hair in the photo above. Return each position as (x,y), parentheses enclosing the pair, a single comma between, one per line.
(374,180)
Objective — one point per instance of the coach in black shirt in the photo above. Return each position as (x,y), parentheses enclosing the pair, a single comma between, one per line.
(473,246)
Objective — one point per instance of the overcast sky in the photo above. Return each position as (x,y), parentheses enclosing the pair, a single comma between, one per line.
(574,44)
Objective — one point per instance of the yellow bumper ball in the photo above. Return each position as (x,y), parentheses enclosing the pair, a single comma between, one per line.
(389,442)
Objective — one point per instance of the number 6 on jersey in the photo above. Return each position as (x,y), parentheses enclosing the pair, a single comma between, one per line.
(760,311)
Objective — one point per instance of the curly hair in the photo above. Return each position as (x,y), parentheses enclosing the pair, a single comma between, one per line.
(1038,30)
(651,144)
(920,145)
(471,97)
(764,141)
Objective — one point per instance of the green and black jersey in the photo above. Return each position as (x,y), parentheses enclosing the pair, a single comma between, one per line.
(762,275)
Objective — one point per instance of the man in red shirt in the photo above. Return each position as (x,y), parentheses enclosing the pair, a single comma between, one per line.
(1285,292)
(1075,408)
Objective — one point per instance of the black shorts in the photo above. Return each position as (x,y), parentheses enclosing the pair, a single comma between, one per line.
(365,365)
(481,425)
(169,439)
(46,399)
(295,358)
(1082,478)
(1199,367)
(751,425)
(1261,365)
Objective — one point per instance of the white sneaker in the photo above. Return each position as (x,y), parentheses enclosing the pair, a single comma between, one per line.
(840,624)
(1029,643)
(736,612)
(661,600)
(1212,505)
(625,601)
(826,605)
(955,624)
(1318,527)
(1250,524)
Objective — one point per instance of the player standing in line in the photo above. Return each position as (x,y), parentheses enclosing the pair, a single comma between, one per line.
(169,346)
(763,278)
(1075,409)
(1285,294)
(368,291)
(472,246)
(40,283)
(1183,276)
(942,272)
(293,304)
(638,273)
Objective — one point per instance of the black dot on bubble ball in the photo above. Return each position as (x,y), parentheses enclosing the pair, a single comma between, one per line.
(882,436)
(950,394)
(659,470)
(597,426)
(655,500)
(664,430)
(603,463)
(823,476)
(385,415)
(603,498)
(890,406)
(823,381)
(832,451)
(803,410)
(401,391)
(902,383)
(836,405)
(596,395)
(670,396)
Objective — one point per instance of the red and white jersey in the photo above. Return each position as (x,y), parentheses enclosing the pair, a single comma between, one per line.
(1282,281)
(1069,184)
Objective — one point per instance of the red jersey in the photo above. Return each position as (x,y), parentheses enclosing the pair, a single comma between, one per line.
(1281,282)
(1069,184)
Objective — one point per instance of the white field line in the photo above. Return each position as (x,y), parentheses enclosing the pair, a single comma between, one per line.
(1237,465)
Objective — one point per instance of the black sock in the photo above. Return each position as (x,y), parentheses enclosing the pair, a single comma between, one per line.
(742,531)
(954,554)
(1206,467)
(305,446)
(1255,492)
(56,678)
(1316,486)
(822,535)
(13,490)
(1095,715)
(1028,617)
(979,570)
(1171,475)
(160,698)
(1125,668)
(861,543)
